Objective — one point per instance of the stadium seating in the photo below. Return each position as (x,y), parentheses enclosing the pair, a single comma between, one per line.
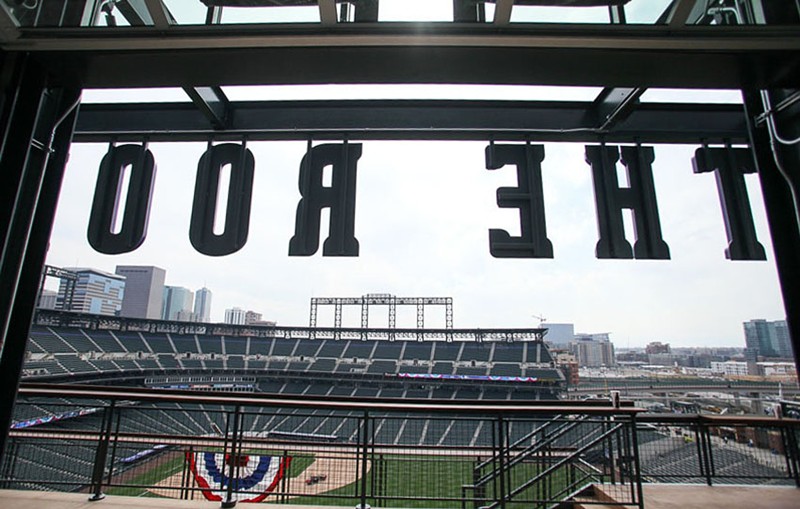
(302,367)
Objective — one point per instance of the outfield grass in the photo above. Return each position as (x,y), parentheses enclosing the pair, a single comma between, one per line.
(413,481)
(429,482)
(162,468)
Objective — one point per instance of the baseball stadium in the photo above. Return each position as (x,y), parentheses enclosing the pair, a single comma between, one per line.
(384,417)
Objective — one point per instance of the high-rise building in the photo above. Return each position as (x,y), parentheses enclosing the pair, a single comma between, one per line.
(593,350)
(144,291)
(95,292)
(235,316)
(202,305)
(782,339)
(559,334)
(767,339)
(176,300)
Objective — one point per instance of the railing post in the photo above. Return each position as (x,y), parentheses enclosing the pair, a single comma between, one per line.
(636,474)
(501,454)
(285,478)
(185,475)
(609,445)
(114,450)
(229,502)
(703,450)
(364,458)
(101,453)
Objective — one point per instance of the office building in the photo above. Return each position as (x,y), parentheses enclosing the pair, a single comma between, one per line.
(177,302)
(593,350)
(559,334)
(144,291)
(235,316)
(202,305)
(767,339)
(95,292)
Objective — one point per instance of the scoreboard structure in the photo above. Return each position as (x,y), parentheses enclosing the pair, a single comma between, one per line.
(51,50)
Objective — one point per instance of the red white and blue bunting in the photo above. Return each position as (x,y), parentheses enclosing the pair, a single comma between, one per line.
(257,476)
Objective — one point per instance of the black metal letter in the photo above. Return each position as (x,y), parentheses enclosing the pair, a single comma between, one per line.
(237,210)
(106,200)
(640,197)
(340,197)
(729,166)
(527,197)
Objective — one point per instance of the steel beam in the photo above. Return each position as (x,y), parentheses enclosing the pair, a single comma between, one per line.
(415,119)
(159,13)
(620,55)
(613,105)
(684,11)
(212,103)
(502,12)
(327,12)
(152,13)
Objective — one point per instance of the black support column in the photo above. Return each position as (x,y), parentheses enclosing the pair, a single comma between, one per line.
(780,207)
(37,125)
(773,122)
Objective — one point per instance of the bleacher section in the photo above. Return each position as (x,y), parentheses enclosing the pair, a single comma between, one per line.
(448,370)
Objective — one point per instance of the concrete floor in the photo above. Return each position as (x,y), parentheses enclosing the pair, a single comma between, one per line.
(660,496)
(656,497)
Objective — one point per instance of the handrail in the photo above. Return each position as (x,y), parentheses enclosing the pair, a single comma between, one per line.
(528,436)
(609,451)
(717,420)
(530,450)
(555,466)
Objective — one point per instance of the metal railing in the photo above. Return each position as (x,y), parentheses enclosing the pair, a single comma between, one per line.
(382,453)
(719,449)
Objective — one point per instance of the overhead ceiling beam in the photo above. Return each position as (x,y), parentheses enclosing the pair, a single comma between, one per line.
(418,119)
(327,12)
(212,103)
(444,65)
(695,39)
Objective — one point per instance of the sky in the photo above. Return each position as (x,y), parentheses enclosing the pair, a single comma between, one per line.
(423,212)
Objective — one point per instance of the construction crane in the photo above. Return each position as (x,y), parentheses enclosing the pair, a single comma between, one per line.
(540,318)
